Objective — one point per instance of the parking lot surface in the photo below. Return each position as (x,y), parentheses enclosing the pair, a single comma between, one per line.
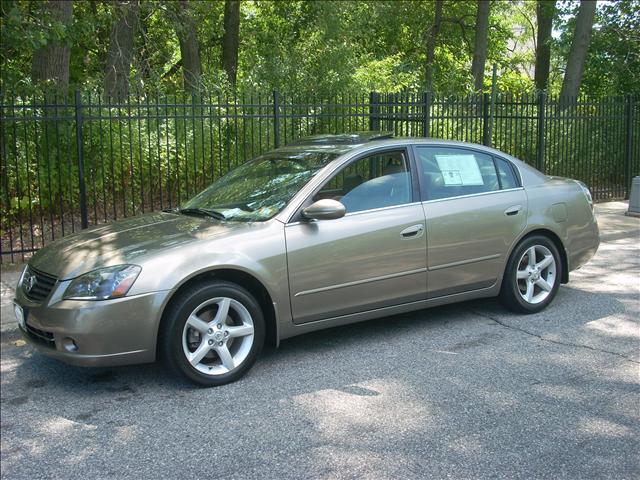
(463,391)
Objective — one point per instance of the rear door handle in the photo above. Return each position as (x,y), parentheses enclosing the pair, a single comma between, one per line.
(513,210)
(413,231)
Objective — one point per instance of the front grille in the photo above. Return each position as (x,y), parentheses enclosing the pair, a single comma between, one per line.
(41,286)
(41,337)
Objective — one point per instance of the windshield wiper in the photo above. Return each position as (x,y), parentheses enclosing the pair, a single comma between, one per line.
(203,212)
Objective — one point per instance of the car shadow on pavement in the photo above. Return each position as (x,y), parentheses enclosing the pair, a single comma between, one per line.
(455,381)
(449,328)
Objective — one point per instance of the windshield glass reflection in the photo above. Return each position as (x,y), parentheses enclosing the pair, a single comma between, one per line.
(259,189)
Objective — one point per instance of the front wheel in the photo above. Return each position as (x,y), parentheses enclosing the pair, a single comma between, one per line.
(532,276)
(213,333)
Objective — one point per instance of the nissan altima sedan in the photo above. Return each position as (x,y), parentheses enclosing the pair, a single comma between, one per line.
(330,230)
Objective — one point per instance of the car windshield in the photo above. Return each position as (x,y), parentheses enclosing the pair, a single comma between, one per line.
(259,189)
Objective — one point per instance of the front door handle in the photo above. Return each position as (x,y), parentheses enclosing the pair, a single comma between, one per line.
(413,231)
(513,210)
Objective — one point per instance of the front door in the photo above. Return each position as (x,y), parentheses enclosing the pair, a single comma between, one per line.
(374,256)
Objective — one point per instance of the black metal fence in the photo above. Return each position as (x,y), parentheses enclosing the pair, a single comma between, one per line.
(71,163)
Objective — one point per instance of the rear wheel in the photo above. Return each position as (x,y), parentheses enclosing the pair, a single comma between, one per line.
(532,276)
(213,333)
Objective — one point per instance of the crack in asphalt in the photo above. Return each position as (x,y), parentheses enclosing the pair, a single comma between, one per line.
(556,342)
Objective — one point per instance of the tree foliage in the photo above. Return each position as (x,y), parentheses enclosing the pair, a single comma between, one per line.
(612,65)
(319,47)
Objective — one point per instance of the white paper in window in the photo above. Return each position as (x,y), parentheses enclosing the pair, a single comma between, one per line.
(459,170)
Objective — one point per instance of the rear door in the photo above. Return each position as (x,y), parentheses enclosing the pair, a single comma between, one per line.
(374,256)
(475,208)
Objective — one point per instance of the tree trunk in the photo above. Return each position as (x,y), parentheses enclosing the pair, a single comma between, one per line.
(480,44)
(189,48)
(51,62)
(579,47)
(432,39)
(5,7)
(118,67)
(144,50)
(231,39)
(545,10)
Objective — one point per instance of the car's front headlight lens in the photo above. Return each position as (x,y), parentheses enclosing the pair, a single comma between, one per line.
(24,270)
(103,284)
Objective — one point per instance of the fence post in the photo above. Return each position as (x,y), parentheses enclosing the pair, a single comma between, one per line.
(276,119)
(84,220)
(494,78)
(540,148)
(492,105)
(374,111)
(627,145)
(426,114)
(486,119)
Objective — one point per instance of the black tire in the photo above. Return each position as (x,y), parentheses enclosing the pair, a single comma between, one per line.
(170,341)
(510,295)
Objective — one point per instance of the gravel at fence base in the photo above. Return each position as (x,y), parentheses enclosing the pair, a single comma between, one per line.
(39,234)
(45,228)
(464,391)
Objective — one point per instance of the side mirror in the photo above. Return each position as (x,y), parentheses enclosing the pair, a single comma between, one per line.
(325,209)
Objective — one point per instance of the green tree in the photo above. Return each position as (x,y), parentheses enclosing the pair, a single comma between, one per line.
(120,52)
(545,11)
(189,46)
(613,61)
(579,47)
(231,40)
(319,47)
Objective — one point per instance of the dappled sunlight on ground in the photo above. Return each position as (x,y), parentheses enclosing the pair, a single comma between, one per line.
(615,326)
(462,391)
(598,426)
(360,409)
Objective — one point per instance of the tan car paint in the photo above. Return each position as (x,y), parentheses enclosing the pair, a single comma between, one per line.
(332,272)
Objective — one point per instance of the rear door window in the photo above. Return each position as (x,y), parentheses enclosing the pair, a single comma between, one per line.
(452,172)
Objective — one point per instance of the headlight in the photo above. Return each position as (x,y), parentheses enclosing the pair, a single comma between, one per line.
(26,267)
(587,193)
(103,284)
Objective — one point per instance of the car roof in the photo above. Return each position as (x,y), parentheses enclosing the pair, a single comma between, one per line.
(351,138)
(337,144)
(365,140)
(391,142)
(394,142)
(361,142)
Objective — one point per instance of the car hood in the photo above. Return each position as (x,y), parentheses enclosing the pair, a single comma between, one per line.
(126,241)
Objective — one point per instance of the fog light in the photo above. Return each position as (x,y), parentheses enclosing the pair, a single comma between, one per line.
(70,344)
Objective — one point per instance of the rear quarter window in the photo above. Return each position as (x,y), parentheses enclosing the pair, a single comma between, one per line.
(507,174)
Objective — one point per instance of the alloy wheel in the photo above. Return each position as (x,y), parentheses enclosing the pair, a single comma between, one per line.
(536,274)
(217,336)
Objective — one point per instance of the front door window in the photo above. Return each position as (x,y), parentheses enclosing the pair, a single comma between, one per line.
(376,181)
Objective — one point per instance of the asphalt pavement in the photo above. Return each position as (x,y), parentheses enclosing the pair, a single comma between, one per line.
(462,391)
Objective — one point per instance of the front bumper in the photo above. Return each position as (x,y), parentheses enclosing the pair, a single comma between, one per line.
(105,333)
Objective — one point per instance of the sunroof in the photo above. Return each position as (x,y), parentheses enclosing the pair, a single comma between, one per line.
(353,138)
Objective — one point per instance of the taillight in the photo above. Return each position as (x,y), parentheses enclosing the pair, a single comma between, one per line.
(587,192)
